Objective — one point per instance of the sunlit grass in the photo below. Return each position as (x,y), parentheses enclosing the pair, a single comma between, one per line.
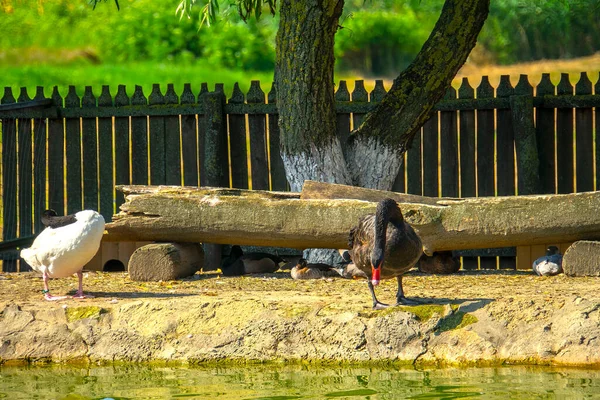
(143,74)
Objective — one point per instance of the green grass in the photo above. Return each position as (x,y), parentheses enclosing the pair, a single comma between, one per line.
(144,74)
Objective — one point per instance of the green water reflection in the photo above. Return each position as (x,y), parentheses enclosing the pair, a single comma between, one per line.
(276,382)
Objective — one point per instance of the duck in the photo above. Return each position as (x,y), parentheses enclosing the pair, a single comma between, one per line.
(384,246)
(304,270)
(550,264)
(64,247)
(240,263)
(441,263)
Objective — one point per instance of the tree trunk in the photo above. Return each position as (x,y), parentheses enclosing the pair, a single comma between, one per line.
(305,92)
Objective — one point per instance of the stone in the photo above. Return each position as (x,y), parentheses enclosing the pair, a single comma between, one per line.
(165,261)
(582,258)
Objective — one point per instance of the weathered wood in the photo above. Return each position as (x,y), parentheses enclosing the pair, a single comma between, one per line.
(9,178)
(39,165)
(89,143)
(564,139)
(156,137)
(172,141)
(56,157)
(237,141)
(165,261)
(525,145)
(258,145)
(430,156)
(505,143)
(485,142)
(122,158)
(359,95)
(585,139)
(189,140)
(545,127)
(582,259)
(277,219)
(467,143)
(449,148)
(278,179)
(105,158)
(414,183)
(139,141)
(343,118)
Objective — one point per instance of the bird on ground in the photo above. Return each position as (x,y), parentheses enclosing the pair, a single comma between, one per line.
(383,246)
(240,263)
(550,264)
(304,270)
(441,263)
(64,247)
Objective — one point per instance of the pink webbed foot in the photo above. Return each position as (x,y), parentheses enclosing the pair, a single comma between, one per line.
(49,297)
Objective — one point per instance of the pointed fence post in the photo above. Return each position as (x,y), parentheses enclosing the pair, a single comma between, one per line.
(214,160)
(525,145)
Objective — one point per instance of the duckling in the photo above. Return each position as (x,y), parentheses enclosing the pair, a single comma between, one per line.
(64,247)
(383,246)
(550,264)
(304,270)
(441,262)
(240,263)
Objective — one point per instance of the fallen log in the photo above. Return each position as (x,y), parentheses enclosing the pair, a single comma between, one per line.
(185,214)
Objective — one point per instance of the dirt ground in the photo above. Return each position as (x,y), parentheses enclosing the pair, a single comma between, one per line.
(112,287)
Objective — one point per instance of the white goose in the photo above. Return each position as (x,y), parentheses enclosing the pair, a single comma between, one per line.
(65,246)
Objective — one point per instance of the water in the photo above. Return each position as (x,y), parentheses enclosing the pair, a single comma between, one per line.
(278,382)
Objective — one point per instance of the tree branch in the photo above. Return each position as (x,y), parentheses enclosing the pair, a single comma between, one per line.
(410,101)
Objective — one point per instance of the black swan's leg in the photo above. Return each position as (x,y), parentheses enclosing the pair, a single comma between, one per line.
(377,305)
(400,298)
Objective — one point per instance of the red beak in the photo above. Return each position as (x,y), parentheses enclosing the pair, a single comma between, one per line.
(375,275)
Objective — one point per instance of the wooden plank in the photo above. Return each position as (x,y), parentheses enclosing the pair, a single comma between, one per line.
(414,183)
(189,140)
(73,154)
(214,160)
(25,166)
(359,95)
(485,142)
(122,141)
(597,129)
(172,141)
(156,137)
(237,142)
(40,129)
(524,261)
(585,140)
(505,143)
(139,141)
(449,148)
(525,145)
(89,141)
(56,157)
(467,143)
(258,146)
(278,179)
(545,130)
(9,179)
(343,119)
(564,140)
(105,158)
(430,157)
(201,133)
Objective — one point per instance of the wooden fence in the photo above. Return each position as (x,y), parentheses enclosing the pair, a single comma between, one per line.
(69,153)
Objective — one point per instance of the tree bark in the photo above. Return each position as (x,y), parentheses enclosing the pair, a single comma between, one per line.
(259,219)
(305,92)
